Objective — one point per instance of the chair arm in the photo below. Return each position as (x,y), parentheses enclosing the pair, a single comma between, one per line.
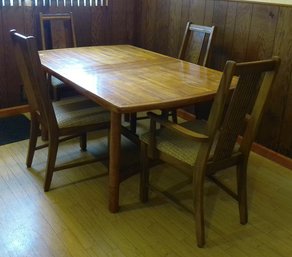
(177,128)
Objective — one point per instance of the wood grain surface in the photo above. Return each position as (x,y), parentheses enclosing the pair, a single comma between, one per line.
(124,78)
(246,30)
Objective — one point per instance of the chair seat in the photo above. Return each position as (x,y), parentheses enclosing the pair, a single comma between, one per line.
(182,148)
(79,111)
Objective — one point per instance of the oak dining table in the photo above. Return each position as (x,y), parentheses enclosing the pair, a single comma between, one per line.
(129,79)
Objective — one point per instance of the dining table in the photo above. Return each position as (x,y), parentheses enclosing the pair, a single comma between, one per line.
(127,79)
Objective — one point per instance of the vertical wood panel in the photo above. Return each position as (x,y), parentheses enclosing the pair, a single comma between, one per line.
(228,33)
(117,11)
(147,24)
(3,84)
(197,11)
(277,121)
(219,18)
(13,85)
(162,26)
(29,21)
(174,27)
(242,27)
(36,21)
(138,14)
(82,24)
(130,21)
(184,17)
(100,26)
(209,13)
(185,13)
(262,32)
(120,21)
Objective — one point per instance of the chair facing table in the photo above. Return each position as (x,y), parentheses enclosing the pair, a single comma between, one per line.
(202,148)
(57,31)
(195,48)
(197,43)
(63,120)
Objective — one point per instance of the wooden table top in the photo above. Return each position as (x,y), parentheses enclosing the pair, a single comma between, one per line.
(125,78)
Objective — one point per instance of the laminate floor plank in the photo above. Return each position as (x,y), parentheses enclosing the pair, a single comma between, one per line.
(72,219)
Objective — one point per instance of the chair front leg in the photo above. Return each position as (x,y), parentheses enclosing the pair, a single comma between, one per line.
(133,122)
(242,191)
(198,189)
(144,176)
(34,132)
(52,154)
(83,142)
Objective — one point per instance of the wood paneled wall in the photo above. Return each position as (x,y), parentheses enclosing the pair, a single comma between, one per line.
(245,31)
(99,25)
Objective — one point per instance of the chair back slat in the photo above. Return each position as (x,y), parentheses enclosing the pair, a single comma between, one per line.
(57,30)
(234,121)
(196,44)
(33,77)
(245,107)
(220,101)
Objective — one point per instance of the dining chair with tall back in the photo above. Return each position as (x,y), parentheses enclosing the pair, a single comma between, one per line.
(197,43)
(195,47)
(203,148)
(57,31)
(63,120)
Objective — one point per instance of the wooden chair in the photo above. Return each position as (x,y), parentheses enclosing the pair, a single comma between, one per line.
(63,120)
(202,148)
(57,31)
(195,48)
(196,44)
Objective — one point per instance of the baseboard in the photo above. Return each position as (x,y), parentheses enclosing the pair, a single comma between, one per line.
(272,155)
(11,111)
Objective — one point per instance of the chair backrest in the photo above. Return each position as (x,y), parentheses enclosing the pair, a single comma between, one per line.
(33,78)
(57,30)
(240,113)
(196,43)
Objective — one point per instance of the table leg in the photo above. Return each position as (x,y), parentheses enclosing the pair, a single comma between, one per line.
(114,164)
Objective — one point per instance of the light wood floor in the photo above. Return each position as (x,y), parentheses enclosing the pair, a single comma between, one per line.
(73,219)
